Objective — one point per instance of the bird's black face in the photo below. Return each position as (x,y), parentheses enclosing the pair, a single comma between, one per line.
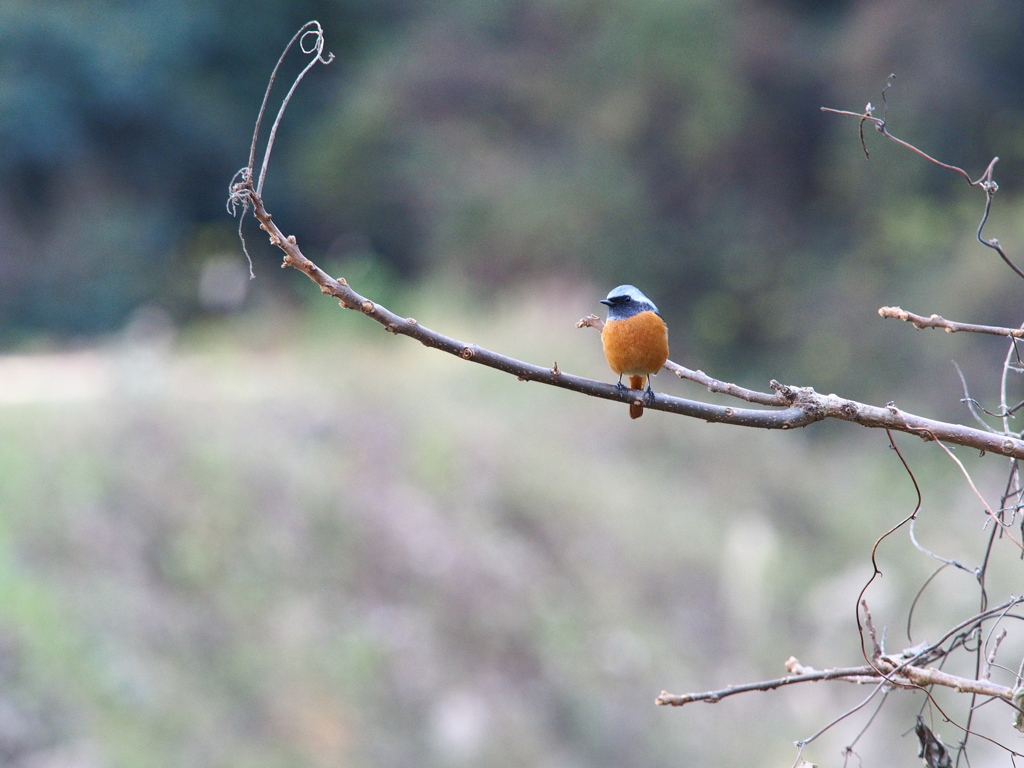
(626,301)
(617,301)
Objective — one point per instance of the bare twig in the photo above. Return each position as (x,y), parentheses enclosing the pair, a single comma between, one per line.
(863,674)
(244,176)
(973,405)
(880,126)
(876,572)
(725,388)
(949,326)
(316,49)
(985,181)
(990,659)
(879,688)
(967,625)
(925,551)
(931,676)
(996,519)
(1007,411)
(848,749)
(872,633)
(893,670)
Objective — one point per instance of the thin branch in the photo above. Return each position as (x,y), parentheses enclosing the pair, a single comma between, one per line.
(876,572)
(931,676)
(316,50)
(803,406)
(880,126)
(725,388)
(712,384)
(1007,362)
(869,623)
(1005,412)
(968,624)
(985,181)
(972,404)
(887,669)
(927,552)
(863,674)
(949,326)
(848,749)
(237,196)
(990,659)
(879,688)
(988,510)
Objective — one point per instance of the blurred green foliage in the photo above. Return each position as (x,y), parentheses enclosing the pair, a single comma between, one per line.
(120,125)
(676,145)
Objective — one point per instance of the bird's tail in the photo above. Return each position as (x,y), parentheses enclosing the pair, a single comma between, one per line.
(636,382)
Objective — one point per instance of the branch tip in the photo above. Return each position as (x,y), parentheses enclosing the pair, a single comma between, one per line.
(950,326)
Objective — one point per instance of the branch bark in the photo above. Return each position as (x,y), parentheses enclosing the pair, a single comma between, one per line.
(949,326)
(796,406)
(884,669)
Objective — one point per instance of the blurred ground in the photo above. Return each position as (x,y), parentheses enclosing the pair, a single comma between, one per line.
(292,539)
(240,527)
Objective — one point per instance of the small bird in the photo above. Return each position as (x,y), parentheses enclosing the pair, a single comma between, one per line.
(635,340)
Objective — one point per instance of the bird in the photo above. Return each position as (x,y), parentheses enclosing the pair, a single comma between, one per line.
(635,340)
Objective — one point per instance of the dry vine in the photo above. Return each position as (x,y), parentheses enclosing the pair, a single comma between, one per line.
(785,407)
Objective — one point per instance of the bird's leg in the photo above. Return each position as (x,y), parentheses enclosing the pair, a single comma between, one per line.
(649,394)
(619,385)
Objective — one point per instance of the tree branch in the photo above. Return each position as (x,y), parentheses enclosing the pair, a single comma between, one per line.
(949,326)
(885,668)
(863,674)
(793,407)
(798,406)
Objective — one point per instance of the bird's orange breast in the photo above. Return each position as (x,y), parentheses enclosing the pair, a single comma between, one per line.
(637,345)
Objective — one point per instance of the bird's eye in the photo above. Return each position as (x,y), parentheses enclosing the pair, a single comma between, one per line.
(626,299)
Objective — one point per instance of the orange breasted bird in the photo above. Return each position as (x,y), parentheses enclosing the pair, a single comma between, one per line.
(635,340)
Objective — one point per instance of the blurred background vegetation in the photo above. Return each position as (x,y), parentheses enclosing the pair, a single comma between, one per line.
(241,528)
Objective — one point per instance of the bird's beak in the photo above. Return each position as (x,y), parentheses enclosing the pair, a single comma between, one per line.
(606,302)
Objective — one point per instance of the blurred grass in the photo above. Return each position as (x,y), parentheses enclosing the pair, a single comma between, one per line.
(290,539)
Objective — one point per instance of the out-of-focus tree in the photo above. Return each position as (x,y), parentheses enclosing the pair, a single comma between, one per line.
(118,124)
(676,144)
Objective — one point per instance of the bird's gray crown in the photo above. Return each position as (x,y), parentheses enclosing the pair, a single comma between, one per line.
(626,301)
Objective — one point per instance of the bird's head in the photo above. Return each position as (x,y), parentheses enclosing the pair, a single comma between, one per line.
(626,301)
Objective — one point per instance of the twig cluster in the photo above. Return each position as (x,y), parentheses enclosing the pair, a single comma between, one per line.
(911,669)
(897,671)
(914,668)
